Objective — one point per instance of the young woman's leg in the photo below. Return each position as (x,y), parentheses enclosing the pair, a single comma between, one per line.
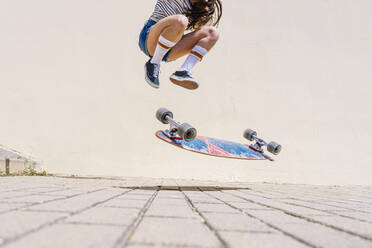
(206,37)
(161,38)
(169,29)
(196,44)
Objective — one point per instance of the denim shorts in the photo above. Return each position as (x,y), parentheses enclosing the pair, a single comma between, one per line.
(143,39)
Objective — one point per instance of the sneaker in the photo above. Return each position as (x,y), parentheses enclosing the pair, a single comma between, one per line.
(184,79)
(152,74)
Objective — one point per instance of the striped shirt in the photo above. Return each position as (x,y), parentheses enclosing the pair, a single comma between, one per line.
(164,8)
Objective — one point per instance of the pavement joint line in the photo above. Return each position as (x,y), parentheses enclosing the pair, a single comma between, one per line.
(204,220)
(143,194)
(344,202)
(170,198)
(352,193)
(244,231)
(130,199)
(170,217)
(329,212)
(56,221)
(52,191)
(321,203)
(330,198)
(38,193)
(306,218)
(92,224)
(20,189)
(268,224)
(317,209)
(185,188)
(46,211)
(15,197)
(14,209)
(29,202)
(259,209)
(89,177)
(124,239)
(208,203)
(325,204)
(350,217)
(219,212)
(113,206)
(167,245)
(44,194)
(38,203)
(342,211)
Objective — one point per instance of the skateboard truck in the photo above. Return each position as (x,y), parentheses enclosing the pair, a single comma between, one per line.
(177,130)
(272,147)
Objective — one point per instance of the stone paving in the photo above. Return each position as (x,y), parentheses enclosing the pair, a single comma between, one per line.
(145,213)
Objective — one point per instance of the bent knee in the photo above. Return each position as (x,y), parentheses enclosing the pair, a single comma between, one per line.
(180,22)
(212,33)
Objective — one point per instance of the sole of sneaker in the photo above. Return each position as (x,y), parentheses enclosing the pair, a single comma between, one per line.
(187,84)
(149,81)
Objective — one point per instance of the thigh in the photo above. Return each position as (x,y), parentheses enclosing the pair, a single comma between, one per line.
(157,30)
(186,44)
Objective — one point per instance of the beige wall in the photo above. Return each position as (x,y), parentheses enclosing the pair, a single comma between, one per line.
(297,71)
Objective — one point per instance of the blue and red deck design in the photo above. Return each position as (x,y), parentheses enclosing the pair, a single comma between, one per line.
(214,147)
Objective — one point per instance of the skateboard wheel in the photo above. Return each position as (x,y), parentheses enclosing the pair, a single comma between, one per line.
(274,148)
(162,113)
(187,132)
(249,133)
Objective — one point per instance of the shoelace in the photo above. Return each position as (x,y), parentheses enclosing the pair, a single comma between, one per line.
(186,73)
(156,70)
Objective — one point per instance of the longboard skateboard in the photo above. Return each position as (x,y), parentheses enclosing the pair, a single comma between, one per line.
(185,136)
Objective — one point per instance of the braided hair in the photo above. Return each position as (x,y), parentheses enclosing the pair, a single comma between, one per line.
(204,12)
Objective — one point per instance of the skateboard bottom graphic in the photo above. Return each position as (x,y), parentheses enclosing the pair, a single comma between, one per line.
(214,147)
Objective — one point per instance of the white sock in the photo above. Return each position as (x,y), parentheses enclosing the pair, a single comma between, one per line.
(161,49)
(196,55)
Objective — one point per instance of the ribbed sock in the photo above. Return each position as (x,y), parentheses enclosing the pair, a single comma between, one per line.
(196,55)
(161,49)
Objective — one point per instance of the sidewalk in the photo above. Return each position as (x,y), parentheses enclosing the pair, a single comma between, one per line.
(137,213)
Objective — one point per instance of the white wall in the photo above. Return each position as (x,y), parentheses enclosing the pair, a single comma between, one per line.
(297,71)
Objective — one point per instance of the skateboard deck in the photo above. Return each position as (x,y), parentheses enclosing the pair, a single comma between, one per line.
(214,147)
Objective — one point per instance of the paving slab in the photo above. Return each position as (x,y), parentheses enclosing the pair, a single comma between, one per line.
(72,236)
(121,203)
(236,223)
(177,207)
(259,240)
(4,206)
(34,199)
(347,224)
(17,223)
(116,212)
(311,233)
(175,232)
(105,216)
(79,202)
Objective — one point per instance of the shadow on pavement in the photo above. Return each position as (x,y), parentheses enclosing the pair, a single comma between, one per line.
(185,188)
